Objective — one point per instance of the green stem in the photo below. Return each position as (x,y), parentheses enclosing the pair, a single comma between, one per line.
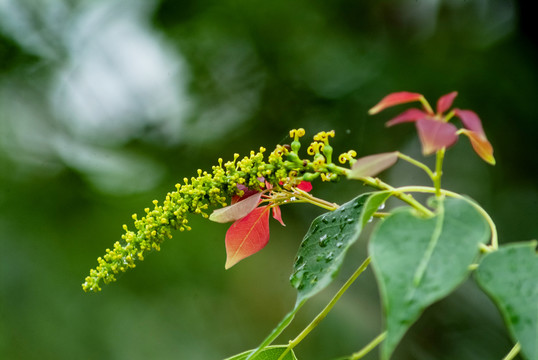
(398,194)
(438,172)
(426,105)
(425,189)
(300,194)
(513,353)
(369,347)
(380,185)
(418,164)
(293,343)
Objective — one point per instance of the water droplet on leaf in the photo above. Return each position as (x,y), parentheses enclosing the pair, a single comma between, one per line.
(323,240)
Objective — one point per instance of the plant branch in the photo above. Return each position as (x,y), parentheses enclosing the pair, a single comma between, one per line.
(293,343)
(369,347)
(418,164)
(438,171)
(513,353)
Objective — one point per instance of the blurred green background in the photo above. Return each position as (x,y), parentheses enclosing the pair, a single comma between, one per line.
(105,105)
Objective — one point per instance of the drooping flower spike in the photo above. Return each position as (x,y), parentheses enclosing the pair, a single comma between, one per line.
(434,130)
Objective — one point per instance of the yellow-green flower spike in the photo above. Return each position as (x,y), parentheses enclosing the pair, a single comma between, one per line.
(212,189)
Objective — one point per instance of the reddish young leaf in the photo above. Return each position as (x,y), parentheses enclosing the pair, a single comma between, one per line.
(246,193)
(407,116)
(395,99)
(435,135)
(470,121)
(445,102)
(237,210)
(247,236)
(277,215)
(480,145)
(373,164)
(305,186)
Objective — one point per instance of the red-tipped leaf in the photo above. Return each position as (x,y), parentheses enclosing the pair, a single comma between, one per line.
(395,99)
(373,164)
(247,236)
(435,135)
(481,146)
(277,215)
(237,210)
(407,116)
(470,121)
(445,102)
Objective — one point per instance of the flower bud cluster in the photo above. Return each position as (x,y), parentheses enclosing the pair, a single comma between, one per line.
(283,168)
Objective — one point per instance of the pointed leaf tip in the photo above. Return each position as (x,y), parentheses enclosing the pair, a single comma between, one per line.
(395,99)
(277,215)
(481,146)
(435,135)
(445,102)
(247,236)
(373,164)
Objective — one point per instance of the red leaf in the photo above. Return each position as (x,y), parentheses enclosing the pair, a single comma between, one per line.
(407,116)
(435,135)
(305,186)
(470,121)
(277,215)
(246,193)
(247,236)
(237,210)
(481,146)
(373,164)
(445,102)
(395,99)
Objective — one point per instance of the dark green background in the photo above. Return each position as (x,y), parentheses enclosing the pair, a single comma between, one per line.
(105,105)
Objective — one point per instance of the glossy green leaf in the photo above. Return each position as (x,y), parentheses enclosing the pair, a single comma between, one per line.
(269,353)
(323,249)
(510,277)
(419,260)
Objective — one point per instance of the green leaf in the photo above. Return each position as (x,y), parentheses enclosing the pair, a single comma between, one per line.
(269,353)
(418,260)
(323,249)
(510,277)
(325,245)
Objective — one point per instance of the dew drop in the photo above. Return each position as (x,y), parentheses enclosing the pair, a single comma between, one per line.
(324,240)
(296,279)
(381,207)
(299,260)
(329,257)
(339,244)
(371,219)
(324,220)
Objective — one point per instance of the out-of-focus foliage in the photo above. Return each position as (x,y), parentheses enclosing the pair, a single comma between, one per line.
(105,105)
